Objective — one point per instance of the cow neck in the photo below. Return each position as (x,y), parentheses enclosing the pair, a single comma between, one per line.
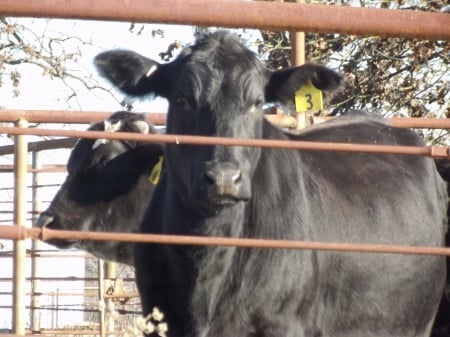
(215,263)
(277,187)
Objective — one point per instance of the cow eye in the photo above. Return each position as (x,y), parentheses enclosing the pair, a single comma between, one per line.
(101,165)
(259,104)
(182,102)
(256,106)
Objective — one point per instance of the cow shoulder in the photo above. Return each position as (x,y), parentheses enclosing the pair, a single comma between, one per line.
(360,127)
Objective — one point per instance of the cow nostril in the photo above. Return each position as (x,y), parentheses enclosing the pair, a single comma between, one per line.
(236,177)
(224,176)
(209,177)
(45,220)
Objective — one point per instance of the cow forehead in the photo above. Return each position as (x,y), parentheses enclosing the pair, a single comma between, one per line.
(218,78)
(220,53)
(209,81)
(84,155)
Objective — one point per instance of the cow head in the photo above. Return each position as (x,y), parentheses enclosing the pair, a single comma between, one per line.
(107,187)
(217,87)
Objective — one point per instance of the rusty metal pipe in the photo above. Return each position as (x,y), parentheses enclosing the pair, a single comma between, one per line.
(85,294)
(249,14)
(430,151)
(64,116)
(45,168)
(7,232)
(159,118)
(410,122)
(298,53)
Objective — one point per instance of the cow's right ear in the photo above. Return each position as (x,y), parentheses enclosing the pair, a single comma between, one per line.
(284,83)
(131,72)
(142,126)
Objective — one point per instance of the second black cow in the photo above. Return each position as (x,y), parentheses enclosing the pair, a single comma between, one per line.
(107,188)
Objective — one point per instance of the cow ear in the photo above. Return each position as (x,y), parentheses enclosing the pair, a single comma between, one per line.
(142,126)
(131,72)
(283,84)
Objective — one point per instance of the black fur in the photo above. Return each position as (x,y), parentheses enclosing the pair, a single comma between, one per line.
(441,327)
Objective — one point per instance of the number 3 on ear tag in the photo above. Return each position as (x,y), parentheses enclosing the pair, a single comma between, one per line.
(308,98)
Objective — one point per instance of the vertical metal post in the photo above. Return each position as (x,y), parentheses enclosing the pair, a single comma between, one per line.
(35,248)
(297,48)
(298,58)
(101,299)
(57,309)
(110,275)
(19,270)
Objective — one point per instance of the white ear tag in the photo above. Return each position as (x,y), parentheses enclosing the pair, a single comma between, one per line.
(151,71)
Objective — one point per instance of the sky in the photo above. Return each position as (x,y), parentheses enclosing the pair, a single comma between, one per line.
(40,92)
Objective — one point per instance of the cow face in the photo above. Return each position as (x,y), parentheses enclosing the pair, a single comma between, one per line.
(107,187)
(215,88)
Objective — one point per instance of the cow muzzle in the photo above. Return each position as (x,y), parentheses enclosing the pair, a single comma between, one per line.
(49,220)
(225,183)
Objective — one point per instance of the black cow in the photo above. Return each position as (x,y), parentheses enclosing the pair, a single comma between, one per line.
(441,327)
(107,188)
(218,87)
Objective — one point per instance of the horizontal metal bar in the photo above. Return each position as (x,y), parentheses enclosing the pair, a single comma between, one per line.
(159,118)
(17,233)
(85,294)
(430,151)
(64,116)
(49,144)
(246,14)
(46,168)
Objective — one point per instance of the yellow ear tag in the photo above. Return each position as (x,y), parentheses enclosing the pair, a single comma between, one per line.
(156,172)
(308,98)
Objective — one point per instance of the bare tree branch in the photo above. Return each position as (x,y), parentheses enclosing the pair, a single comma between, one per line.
(391,75)
(53,53)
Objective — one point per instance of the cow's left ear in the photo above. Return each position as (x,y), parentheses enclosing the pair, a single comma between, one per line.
(142,126)
(131,72)
(283,84)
